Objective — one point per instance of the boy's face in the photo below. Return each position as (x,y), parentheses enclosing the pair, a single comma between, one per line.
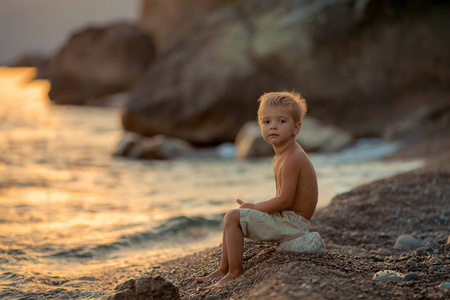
(277,125)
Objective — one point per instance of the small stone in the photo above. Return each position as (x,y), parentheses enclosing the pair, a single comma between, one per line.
(436,268)
(87,278)
(385,252)
(411,263)
(412,276)
(388,275)
(436,261)
(406,241)
(444,285)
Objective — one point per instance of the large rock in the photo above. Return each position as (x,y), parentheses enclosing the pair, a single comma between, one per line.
(156,288)
(314,136)
(169,21)
(361,65)
(157,147)
(99,61)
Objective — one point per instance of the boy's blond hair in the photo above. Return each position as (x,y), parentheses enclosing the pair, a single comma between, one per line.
(292,101)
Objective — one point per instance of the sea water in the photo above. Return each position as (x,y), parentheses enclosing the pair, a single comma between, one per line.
(69,208)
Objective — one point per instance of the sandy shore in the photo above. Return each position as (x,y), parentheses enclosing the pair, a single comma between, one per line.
(360,229)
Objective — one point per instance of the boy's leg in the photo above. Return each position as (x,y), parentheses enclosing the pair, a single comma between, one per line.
(234,246)
(223,268)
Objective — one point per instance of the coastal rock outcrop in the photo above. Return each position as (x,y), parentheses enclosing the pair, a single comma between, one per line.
(358,63)
(169,21)
(99,61)
(155,288)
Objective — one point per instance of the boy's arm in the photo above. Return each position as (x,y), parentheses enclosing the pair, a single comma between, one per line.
(289,180)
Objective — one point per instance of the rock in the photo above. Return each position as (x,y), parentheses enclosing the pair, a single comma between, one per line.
(407,241)
(343,57)
(158,147)
(435,261)
(250,143)
(41,62)
(309,243)
(426,119)
(412,276)
(388,275)
(226,150)
(314,136)
(156,288)
(99,61)
(444,286)
(169,21)
(448,240)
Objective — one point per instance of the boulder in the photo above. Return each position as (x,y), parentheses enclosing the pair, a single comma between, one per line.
(406,241)
(314,136)
(169,21)
(41,62)
(357,63)
(158,147)
(151,288)
(308,243)
(250,143)
(99,61)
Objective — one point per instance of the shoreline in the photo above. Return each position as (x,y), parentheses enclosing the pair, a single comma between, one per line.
(370,218)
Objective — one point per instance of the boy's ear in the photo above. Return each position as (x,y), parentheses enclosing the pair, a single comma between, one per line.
(297,128)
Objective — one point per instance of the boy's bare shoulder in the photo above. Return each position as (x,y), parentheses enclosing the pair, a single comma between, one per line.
(297,157)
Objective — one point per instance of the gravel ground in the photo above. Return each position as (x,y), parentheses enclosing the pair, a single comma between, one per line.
(360,229)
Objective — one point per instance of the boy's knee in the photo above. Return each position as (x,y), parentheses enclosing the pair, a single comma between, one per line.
(232,217)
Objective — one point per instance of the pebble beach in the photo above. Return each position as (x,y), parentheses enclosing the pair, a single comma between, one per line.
(76,221)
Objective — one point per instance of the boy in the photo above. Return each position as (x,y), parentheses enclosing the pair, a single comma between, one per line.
(286,216)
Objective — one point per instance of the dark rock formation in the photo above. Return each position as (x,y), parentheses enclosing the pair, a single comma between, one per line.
(145,288)
(99,61)
(169,21)
(40,62)
(360,64)
(157,147)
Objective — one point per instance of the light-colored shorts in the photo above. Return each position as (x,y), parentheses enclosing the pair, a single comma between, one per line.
(274,227)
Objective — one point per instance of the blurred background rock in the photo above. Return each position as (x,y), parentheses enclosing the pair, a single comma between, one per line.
(193,70)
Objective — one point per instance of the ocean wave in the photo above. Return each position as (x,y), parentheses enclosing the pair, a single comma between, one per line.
(168,231)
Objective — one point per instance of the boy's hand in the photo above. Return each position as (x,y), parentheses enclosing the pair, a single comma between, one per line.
(245,205)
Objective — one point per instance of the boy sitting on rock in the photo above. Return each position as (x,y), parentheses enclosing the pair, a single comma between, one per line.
(286,216)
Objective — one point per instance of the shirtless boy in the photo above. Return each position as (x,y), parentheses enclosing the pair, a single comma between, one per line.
(285,216)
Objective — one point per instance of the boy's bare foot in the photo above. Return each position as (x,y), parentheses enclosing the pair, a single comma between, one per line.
(225,280)
(213,275)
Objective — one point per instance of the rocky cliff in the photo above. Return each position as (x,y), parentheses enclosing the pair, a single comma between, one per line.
(363,65)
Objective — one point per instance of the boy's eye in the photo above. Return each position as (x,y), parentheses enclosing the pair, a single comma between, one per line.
(266,122)
(282,121)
